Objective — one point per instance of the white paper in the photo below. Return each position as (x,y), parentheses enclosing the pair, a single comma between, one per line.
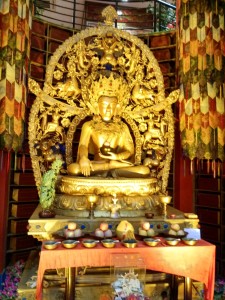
(193,233)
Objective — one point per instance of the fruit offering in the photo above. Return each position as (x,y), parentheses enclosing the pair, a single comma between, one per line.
(122,229)
(146,230)
(72,231)
(103,231)
(175,230)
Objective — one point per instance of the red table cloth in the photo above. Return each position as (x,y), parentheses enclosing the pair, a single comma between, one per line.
(196,262)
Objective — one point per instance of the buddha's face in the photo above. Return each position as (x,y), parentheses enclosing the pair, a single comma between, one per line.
(107,107)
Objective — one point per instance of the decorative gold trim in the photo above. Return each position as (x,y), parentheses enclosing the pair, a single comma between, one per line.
(114,186)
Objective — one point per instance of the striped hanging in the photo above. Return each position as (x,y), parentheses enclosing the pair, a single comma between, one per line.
(15,24)
(201,46)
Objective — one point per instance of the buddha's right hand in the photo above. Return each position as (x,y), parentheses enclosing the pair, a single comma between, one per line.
(85,166)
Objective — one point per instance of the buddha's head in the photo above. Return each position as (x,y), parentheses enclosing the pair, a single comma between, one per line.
(107,107)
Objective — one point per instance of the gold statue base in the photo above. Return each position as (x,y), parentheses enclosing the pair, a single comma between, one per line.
(134,196)
(131,206)
(72,185)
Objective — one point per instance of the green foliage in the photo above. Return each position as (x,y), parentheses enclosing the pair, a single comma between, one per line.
(47,189)
(165,15)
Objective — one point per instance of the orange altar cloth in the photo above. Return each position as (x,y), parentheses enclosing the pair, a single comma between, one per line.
(196,262)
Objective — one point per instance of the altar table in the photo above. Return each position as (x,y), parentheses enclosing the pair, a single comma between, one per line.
(192,262)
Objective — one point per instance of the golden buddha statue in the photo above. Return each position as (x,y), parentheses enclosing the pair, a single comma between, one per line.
(127,129)
(111,144)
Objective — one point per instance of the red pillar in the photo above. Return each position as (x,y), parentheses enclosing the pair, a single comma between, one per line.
(184,187)
(5,158)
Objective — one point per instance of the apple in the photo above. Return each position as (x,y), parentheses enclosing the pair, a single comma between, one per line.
(104,226)
(72,225)
(180,232)
(77,232)
(145,225)
(151,232)
(172,232)
(69,233)
(142,231)
(175,227)
(99,233)
(108,233)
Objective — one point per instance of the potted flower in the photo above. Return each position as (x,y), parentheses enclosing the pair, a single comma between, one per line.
(47,189)
(9,287)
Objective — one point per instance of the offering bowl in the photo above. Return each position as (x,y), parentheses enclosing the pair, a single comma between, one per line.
(50,245)
(172,241)
(69,244)
(130,243)
(89,243)
(149,215)
(151,242)
(109,243)
(190,241)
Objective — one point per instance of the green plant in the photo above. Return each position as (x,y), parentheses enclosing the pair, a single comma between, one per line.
(47,188)
(165,14)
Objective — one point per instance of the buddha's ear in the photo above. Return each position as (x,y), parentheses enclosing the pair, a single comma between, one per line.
(93,108)
(118,109)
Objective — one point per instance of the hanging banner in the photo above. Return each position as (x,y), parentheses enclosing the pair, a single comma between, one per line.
(15,24)
(201,46)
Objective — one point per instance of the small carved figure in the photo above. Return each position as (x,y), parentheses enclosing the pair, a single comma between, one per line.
(115,207)
(110,46)
(69,89)
(153,131)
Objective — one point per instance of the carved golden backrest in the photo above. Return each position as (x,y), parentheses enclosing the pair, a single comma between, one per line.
(72,87)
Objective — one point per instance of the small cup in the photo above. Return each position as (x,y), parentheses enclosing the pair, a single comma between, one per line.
(50,245)
(172,241)
(149,215)
(190,241)
(69,244)
(88,243)
(108,243)
(172,216)
(130,243)
(151,242)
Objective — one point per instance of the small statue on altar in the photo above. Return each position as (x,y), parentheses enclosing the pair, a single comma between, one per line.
(114,207)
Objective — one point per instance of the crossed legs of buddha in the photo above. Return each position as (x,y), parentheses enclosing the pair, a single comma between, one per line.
(116,168)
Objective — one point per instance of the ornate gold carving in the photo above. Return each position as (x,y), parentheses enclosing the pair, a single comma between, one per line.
(110,62)
(71,185)
(110,15)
